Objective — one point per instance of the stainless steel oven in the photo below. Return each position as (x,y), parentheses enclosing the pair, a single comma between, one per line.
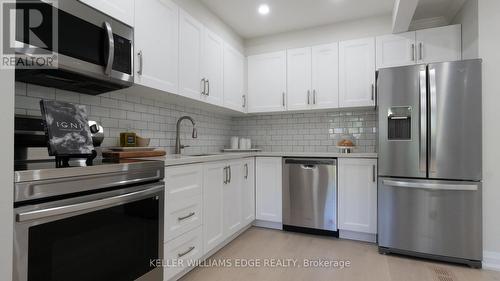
(106,223)
(95,52)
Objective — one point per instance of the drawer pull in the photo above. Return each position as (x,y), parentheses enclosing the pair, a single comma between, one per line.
(186,217)
(180,255)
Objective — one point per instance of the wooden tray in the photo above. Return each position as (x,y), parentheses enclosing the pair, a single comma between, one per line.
(132,154)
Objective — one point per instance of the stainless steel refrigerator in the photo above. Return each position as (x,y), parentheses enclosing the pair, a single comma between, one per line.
(430,161)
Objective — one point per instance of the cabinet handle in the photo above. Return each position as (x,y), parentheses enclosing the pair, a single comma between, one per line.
(373,91)
(421,51)
(246,171)
(244,101)
(283,96)
(203,86)
(308,97)
(373,173)
(208,86)
(314,96)
(225,175)
(413,52)
(141,62)
(186,216)
(230,176)
(180,255)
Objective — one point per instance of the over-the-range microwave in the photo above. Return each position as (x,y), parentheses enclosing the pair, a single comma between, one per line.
(95,53)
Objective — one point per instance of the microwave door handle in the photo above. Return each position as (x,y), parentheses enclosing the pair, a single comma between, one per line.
(111,48)
(88,206)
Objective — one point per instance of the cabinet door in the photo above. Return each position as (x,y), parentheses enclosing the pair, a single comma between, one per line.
(357,73)
(357,188)
(213,211)
(325,76)
(248,191)
(234,64)
(232,198)
(298,77)
(122,10)
(157,56)
(268,188)
(439,44)
(396,50)
(190,55)
(213,52)
(183,199)
(267,82)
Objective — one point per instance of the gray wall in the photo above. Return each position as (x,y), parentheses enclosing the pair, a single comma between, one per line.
(310,132)
(468,17)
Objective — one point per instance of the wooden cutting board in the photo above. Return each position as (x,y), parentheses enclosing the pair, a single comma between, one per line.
(132,154)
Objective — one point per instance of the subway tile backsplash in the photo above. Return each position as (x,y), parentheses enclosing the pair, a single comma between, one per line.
(310,132)
(118,112)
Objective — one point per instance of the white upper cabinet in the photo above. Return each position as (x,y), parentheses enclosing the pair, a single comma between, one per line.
(396,50)
(439,44)
(325,76)
(357,207)
(190,57)
(267,82)
(299,78)
(157,57)
(357,73)
(122,10)
(213,63)
(234,79)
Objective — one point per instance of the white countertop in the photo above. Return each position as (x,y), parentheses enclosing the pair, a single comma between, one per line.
(180,159)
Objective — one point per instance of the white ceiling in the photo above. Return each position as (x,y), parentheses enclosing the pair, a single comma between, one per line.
(288,15)
(437,8)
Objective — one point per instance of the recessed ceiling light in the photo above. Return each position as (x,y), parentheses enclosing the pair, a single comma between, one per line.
(264,9)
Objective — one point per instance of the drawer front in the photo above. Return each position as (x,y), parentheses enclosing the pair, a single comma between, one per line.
(182,252)
(183,200)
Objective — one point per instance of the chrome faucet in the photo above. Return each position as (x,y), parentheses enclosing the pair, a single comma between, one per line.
(178,146)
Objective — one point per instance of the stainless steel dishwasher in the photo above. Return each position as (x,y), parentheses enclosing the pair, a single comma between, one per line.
(310,195)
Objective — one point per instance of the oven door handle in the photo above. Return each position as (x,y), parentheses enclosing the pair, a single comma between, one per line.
(91,205)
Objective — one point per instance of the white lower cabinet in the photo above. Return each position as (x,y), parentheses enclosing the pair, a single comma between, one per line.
(357,187)
(268,181)
(183,200)
(214,181)
(182,252)
(248,191)
(232,198)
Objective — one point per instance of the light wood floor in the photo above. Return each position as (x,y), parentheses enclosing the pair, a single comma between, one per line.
(366,263)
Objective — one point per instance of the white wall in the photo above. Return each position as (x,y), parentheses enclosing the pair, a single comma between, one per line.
(468,17)
(200,12)
(319,35)
(489,46)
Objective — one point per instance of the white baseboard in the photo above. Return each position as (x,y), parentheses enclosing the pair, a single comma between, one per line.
(491,260)
(358,236)
(268,224)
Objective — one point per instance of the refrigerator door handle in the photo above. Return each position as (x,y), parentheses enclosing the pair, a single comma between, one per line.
(423,120)
(431,186)
(433,119)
